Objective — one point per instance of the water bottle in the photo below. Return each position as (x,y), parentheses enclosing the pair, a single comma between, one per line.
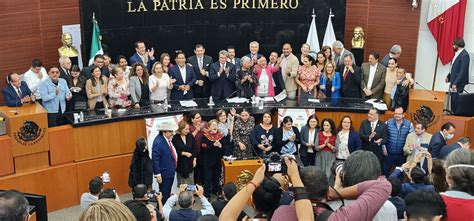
(81,115)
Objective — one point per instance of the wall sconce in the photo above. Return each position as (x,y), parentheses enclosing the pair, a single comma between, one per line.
(414,4)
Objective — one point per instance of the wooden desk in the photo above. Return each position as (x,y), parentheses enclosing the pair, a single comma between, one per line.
(28,129)
(423,98)
(233,169)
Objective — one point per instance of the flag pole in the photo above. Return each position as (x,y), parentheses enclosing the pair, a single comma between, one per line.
(436,70)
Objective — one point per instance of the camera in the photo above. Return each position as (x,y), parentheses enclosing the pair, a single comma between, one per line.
(151,194)
(191,188)
(274,163)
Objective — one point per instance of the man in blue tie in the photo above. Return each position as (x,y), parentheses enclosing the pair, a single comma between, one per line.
(164,158)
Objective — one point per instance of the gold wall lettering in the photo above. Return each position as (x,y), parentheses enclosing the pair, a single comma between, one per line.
(185,5)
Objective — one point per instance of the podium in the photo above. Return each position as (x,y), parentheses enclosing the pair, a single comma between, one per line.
(27,126)
(233,169)
(426,106)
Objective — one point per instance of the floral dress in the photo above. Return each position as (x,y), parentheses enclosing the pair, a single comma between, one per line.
(241,133)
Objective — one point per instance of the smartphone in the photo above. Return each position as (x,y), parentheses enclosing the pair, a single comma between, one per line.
(250,211)
(191,188)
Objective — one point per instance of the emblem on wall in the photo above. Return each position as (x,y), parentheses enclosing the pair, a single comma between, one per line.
(425,115)
(30,133)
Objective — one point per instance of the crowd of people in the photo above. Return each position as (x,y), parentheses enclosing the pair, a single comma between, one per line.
(330,72)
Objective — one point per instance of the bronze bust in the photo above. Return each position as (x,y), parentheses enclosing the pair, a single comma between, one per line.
(67,49)
(358,38)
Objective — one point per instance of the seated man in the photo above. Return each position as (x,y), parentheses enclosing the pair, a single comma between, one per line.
(185,200)
(425,205)
(13,206)
(16,93)
(463,142)
(222,75)
(95,187)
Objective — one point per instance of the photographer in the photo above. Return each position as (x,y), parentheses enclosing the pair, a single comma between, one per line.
(259,185)
(416,176)
(95,187)
(141,198)
(185,200)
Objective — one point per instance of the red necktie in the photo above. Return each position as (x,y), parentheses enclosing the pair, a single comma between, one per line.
(173,153)
(345,74)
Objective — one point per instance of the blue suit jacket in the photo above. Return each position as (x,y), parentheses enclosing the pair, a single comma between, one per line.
(51,101)
(459,75)
(222,85)
(354,142)
(163,161)
(436,143)
(11,96)
(136,59)
(190,80)
(336,83)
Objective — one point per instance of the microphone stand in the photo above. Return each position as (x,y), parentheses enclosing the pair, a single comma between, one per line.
(429,91)
(17,99)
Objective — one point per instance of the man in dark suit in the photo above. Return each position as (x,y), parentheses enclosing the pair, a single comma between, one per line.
(185,79)
(200,63)
(65,68)
(459,75)
(164,158)
(438,140)
(351,78)
(373,77)
(340,52)
(222,76)
(463,142)
(395,52)
(277,77)
(143,56)
(373,134)
(99,62)
(16,93)
(232,59)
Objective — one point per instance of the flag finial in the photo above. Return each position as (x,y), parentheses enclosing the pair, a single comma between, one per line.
(330,13)
(93,15)
(313,14)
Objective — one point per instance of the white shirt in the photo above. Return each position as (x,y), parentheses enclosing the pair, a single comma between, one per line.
(374,125)
(162,91)
(263,83)
(456,54)
(33,82)
(371,75)
(311,139)
(144,58)
(182,70)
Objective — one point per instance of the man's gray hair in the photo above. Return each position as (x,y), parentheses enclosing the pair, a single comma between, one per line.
(223,52)
(63,59)
(337,44)
(254,43)
(185,199)
(396,49)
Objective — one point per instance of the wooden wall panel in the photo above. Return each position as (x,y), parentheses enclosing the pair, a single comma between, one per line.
(61,145)
(20,26)
(59,184)
(117,167)
(31,162)
(129,132)
(6,156)
(388,22)
(9,7)
(31,29)
(94,141)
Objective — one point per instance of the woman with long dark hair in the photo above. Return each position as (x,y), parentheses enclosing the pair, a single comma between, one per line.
(96,89)
(141,167)
(262,136)
(348,140)
(77,84)
(287,137)
(309,140)
(326,146)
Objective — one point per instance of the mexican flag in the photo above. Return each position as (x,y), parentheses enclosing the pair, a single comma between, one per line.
(96,45)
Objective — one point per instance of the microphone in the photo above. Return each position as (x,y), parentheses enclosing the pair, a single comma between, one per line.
(230,95)
(429,91)
(17,99)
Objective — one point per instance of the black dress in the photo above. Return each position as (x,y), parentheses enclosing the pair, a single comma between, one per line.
(141,169)
(145,98)
(79,99)
(185,164)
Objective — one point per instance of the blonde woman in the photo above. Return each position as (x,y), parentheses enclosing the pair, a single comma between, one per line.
(160,84)
(107,209)
(330,83)
(119,89)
